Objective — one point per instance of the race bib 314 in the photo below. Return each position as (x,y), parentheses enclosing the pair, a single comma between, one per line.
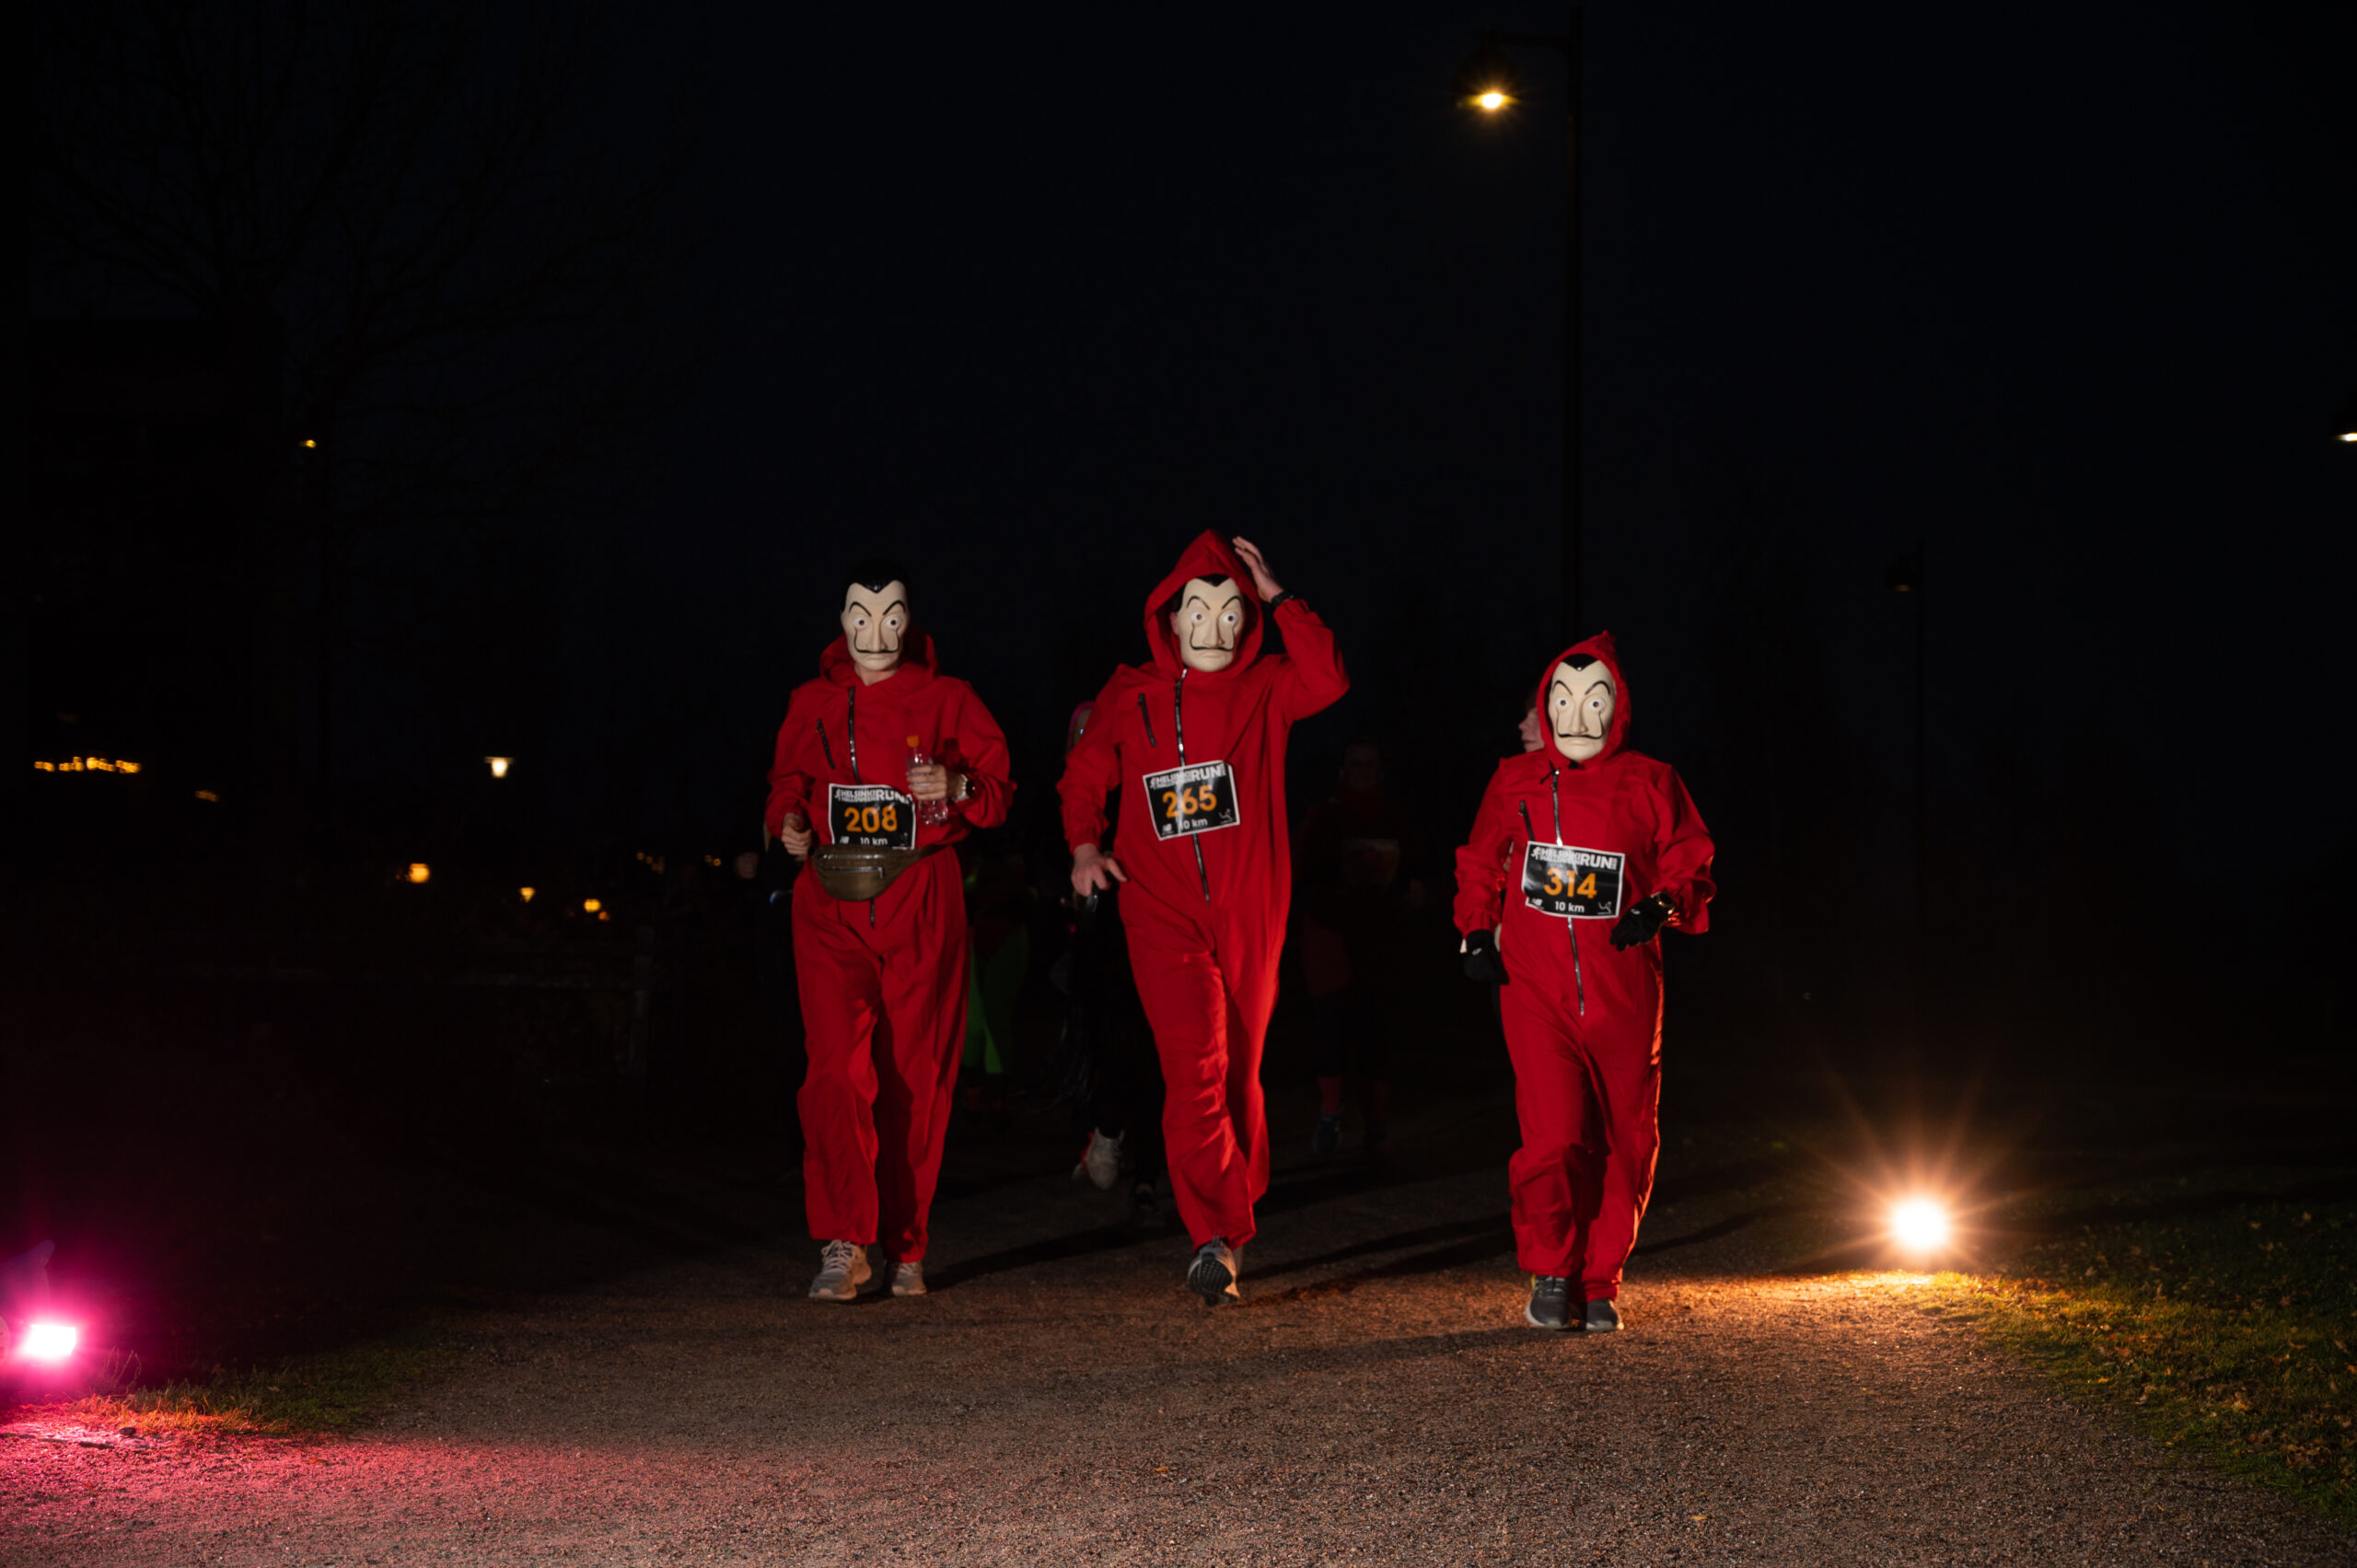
(1584,884)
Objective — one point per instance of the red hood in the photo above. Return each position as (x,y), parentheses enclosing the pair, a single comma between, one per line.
(916,654)
(1209,556)
(1598,647)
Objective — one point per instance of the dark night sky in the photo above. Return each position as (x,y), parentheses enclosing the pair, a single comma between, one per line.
(2065,299)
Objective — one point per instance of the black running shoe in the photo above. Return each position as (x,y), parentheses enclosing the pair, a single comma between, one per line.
(1214,1272)
(1551,1303)
(1603,1318)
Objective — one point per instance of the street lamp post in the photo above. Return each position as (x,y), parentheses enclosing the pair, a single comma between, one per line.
(1906,577)
(1487,82)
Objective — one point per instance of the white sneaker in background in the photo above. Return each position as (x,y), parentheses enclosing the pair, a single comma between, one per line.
(907,1279)
(1101,1162)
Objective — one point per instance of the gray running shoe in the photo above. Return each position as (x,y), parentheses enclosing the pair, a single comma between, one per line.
(1327,1135)
(1551,1303)
(1603,1318)
(842,1268)
(908,1278)
(1215,1271)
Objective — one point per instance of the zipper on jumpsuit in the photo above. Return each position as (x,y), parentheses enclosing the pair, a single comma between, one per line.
(851,733)
(1178,724)
(1554,788)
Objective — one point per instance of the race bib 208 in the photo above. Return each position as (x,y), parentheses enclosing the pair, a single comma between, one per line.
(1193,799)
(1584,884)
(872,815)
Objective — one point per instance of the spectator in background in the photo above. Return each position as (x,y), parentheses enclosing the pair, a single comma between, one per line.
(999,902)
(1355,863)
(1106,1038)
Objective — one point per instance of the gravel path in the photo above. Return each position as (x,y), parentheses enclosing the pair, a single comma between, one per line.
(1060,1398)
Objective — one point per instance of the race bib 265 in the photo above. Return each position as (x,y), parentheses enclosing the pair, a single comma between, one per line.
(1192,799)
(1564,879)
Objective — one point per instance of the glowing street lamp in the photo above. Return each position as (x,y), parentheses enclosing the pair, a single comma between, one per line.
(2346,425)
(419,872)
(527,893)
(499,766)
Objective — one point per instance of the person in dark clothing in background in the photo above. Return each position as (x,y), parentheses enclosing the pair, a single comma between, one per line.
(1108,1038)
(1356,864)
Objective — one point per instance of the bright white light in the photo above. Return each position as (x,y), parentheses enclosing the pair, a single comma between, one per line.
(499,766)
(49,1341)
(1919,1225)
(1492,100)
(2349,435)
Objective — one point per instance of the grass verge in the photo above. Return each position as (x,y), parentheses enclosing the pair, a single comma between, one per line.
(2217,1312)
(330,1391)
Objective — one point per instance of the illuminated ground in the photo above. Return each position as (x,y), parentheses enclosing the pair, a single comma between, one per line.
(1061,1400)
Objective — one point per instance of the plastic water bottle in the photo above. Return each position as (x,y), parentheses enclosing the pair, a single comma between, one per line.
(932,813)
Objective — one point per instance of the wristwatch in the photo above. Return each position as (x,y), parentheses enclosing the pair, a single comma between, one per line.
(1282,598)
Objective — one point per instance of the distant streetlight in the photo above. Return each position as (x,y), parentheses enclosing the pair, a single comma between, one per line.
(420,872)
(2346,425)
(1486,82)
(527,893)
(590,906)
(499,766)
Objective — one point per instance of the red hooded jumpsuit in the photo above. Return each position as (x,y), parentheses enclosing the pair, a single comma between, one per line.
(883,981)
(1200,760)
(1583,1020)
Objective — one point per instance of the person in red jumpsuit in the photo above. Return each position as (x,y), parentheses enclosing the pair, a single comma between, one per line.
(883,979)
(1581,853)
(1195,741)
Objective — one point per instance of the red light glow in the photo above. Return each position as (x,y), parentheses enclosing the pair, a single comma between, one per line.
(49,1341)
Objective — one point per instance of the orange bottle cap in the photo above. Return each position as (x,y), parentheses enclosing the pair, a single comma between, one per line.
(915,741)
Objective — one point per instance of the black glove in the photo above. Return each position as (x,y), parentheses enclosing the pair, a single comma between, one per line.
(1644,921)
(1481,960)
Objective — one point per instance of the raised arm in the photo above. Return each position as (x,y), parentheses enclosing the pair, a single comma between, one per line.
(1311,676)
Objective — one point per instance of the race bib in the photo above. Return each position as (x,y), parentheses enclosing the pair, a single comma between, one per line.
(1561,879)
(872,815)
(1192,799)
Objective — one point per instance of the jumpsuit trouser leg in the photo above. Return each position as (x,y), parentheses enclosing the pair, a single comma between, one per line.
(1588,1101)
(1209,1010)
(884,1008)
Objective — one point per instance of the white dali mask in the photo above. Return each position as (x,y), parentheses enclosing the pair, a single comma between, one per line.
(1208,623)
(875,623)
(1580,700)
